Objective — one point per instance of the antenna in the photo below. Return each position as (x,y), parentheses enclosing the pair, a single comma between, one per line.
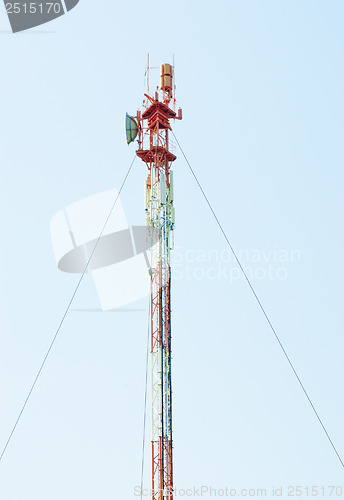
(148,74)
(174,84)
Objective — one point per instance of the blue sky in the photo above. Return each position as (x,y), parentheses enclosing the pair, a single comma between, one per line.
(261,88)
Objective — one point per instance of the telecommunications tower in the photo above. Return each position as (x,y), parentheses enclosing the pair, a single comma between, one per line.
(152,127)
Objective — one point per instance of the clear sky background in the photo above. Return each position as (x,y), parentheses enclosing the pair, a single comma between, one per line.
(261,87)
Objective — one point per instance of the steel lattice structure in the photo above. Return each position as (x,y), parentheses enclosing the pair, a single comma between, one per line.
(152,127)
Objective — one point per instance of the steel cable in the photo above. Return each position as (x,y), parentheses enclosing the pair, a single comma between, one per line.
(145,404)
(64,315)
(260,305)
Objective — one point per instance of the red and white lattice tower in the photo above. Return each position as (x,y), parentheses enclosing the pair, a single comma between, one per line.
(153,127)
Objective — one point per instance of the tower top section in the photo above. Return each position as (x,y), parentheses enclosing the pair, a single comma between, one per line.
(152,124)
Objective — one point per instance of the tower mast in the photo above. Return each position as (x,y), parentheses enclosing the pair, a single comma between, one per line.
(153,127)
